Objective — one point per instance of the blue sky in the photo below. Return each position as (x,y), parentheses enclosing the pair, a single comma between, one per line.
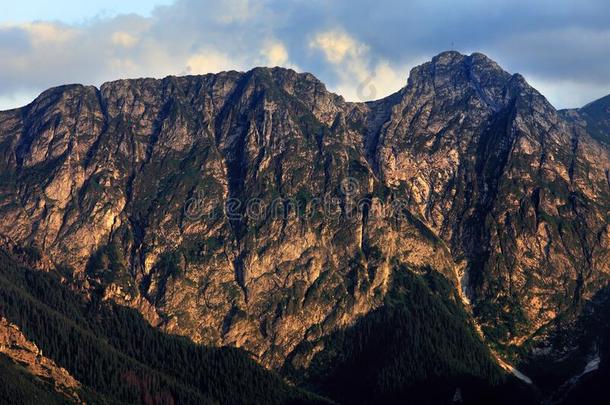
(75,11)
(562,47)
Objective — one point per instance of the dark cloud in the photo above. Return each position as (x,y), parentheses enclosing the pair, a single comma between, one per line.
(561,46)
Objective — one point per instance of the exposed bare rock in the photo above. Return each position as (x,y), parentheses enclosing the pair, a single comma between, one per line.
(17,347)
(259,210)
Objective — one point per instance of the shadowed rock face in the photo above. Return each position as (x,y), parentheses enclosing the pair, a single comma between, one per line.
(259,210)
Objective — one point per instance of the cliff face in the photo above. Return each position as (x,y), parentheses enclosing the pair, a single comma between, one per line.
(520,196)
(261,211)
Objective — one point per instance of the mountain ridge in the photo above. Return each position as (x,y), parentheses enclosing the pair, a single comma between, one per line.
(467,170)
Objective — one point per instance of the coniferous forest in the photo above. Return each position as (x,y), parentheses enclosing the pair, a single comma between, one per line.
(119,357)
(420,336)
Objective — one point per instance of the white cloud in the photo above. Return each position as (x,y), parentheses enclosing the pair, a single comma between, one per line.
(275,54)
(210,61)
(361,84)
(388,78)
(337,45)
(360,77)
(236,10)
(45,33)
(366,54)
(124,39)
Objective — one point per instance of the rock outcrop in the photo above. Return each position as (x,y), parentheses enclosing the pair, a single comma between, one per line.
(18,348)
(260,210)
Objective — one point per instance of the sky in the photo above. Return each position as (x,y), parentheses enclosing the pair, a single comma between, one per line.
(360,49)
(74,11)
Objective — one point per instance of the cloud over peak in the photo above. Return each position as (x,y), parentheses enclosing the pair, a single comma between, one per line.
(360,50)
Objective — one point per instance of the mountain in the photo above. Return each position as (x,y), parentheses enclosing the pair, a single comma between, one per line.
(594,118)
(435,235)
(110,355)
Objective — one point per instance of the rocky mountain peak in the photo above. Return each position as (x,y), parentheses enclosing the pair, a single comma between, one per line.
(466,172)
(452,75)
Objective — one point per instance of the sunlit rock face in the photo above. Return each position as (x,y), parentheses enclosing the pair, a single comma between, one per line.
(15,346)
(259,210)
